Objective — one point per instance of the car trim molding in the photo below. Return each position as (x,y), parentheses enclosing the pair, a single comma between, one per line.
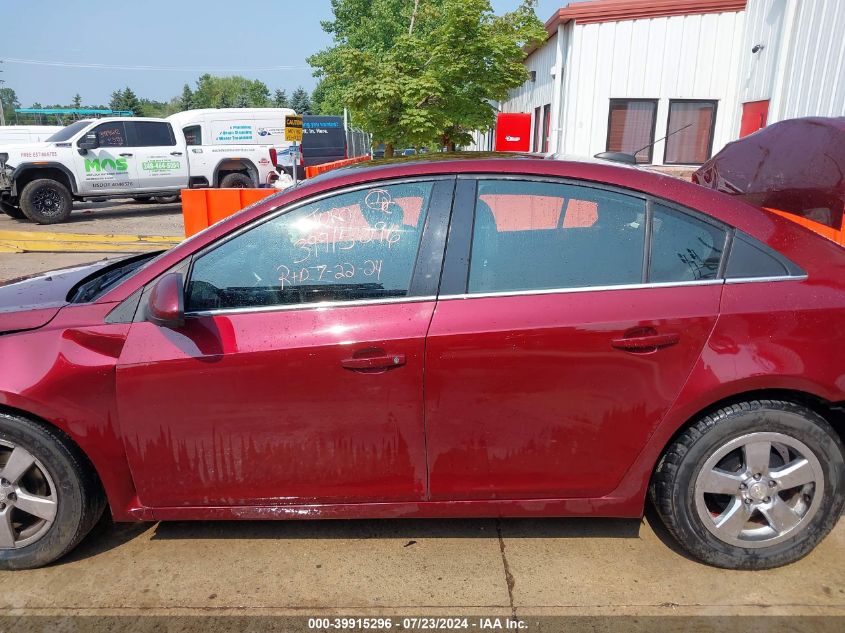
(669,284)
(324,305)
(747,280)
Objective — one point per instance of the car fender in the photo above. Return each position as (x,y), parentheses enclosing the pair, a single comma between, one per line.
(70,385)
(248,164)
(708,385)
(26,167)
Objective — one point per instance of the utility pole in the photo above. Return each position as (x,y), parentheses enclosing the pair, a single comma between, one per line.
(2,117)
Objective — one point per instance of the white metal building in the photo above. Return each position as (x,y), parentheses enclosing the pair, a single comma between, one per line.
(620,74)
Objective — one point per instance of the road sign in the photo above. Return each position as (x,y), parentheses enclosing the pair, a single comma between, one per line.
(293,128)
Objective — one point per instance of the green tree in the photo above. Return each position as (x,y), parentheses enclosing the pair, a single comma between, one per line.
(425,72)
(222,92)
(280,99)
(186,101)
(77,101)
(326,100)
(242,101)
(300,101)
(10,102)
(125,99)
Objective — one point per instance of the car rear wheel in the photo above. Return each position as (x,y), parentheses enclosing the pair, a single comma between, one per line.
(46,201)
(752,486)
(49,496)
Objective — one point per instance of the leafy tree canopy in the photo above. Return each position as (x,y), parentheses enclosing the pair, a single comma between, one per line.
(424,72)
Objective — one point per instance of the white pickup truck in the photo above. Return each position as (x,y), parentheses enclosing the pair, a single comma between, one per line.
(121,158)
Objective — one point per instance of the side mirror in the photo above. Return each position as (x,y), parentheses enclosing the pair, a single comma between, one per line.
(89,141)
(166,305)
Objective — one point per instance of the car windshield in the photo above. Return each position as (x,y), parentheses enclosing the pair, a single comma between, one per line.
(96,285)
(68,131)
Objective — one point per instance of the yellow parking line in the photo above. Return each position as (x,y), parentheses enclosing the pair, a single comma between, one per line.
(32,241)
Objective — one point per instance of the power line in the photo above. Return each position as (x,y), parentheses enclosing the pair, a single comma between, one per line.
(41,62)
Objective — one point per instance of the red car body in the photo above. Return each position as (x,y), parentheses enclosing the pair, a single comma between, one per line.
(523,405)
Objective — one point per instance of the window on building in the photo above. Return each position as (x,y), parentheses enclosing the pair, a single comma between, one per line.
(630,127)
(537,123)
(547,119)
(690,128)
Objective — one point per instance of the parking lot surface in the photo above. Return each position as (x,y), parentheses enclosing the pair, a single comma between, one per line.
(100,218)
(399,567)
(471,567)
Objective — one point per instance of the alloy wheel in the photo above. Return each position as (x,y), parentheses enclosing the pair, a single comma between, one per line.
(47,201)
(759,489)
(28,497)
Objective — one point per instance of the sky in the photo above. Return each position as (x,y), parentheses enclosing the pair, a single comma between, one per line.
(180,39)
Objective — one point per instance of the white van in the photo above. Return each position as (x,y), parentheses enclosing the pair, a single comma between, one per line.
(21,134)
(237,126)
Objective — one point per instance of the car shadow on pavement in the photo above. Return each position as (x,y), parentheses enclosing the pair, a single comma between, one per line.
(108,535)
(410,529)
(105,536)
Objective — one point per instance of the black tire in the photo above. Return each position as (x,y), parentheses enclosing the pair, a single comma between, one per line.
(167,199)
(12,211)
(46,201)
(79,499)
(236,181)
(142,198)
(673,486)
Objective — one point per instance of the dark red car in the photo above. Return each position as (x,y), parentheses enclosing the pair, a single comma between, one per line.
(470,338)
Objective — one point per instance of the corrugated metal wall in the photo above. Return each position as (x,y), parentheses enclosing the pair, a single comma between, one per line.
(814,77)
(537,93)
(682,57)
(763,26)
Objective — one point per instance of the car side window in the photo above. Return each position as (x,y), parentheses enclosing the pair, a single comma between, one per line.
(530,235)
(152,134)
(111,134)
(749,260)
(193,135)
(356,245)
(683,248)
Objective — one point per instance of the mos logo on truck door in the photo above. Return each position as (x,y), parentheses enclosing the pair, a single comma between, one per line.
(105,165)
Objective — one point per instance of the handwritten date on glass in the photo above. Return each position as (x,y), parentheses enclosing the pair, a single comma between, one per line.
(370,268)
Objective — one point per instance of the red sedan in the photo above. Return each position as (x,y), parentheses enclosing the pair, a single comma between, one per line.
(443,338)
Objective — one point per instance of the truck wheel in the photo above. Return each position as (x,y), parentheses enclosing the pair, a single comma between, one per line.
(49,496)
(12,211)
(167,199)
(142,198)
(46,201)
(236,181)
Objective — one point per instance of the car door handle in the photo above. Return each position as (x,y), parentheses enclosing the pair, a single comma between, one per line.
(646,342)
(386,361)
(127,155)
(175,153)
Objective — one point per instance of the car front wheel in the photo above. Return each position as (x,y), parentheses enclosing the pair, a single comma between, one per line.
(754,485)
(49,496)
